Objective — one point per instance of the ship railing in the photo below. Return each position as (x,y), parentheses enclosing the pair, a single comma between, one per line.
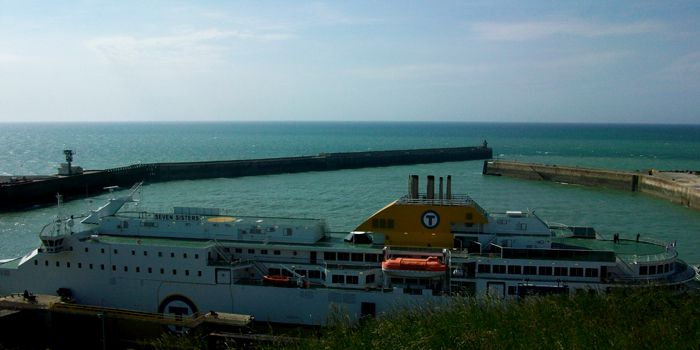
(454,200)
(221,252)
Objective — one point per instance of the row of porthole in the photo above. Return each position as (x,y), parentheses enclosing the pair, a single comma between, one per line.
(114,268)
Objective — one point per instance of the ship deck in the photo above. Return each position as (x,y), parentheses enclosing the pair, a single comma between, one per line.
(627,249)
(335,242)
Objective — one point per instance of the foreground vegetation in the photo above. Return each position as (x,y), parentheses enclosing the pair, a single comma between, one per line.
(624,319)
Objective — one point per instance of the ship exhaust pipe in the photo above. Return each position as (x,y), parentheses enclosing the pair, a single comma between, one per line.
(449,187)
(431,187)
(413,186)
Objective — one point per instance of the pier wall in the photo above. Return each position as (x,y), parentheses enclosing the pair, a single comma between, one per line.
(24,194)
(670,190)
(664,185)
(582,176)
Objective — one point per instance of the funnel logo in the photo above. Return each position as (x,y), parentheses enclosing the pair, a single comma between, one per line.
(430,219)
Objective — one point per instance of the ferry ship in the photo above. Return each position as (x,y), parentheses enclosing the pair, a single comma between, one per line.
(422,248)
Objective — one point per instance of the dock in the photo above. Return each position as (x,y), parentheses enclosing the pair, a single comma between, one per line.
(18,302)
(21,192)
(681,187)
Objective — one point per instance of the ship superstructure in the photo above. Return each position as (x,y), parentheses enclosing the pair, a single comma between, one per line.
(424,247)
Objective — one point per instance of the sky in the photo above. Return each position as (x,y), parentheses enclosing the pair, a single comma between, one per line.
(471,61)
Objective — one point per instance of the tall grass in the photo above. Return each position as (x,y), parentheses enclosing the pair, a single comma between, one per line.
(623,319)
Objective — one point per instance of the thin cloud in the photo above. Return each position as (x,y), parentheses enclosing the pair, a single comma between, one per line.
(418,71)
(206,45)
(685,69)
(10,58)
(524,31)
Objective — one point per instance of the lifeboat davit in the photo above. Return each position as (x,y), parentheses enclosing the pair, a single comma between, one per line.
(413,267)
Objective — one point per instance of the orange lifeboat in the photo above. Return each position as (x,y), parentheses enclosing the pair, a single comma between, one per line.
(277,280)
(413,267)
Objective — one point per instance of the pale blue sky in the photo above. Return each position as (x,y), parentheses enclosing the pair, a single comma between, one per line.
(538,61)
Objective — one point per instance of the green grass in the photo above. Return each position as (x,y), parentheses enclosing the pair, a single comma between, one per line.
(625,319)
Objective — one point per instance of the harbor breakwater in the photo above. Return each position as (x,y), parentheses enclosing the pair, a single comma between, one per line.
(22,193)
(682,187)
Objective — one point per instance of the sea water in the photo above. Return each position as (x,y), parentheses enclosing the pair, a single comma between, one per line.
(345,198)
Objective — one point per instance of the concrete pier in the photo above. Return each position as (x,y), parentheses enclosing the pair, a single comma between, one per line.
(682,187)
(23,192)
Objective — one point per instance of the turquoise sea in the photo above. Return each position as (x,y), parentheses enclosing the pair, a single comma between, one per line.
(344,198)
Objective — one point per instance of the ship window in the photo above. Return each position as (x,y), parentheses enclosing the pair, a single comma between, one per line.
(199,273)
(501,221)
(172,255)
(160,254)
(187,272)
(389,223)
(102,267)
(58,264)
(357,257)
(138,269)
(511,290)
(522,226)
(344,256)
(150,270)
(667,267)
(239,250)
(352,280)
(102,250)
(371,257)
(470,216)
(115,251)
(133,252)
(591,272)
(545,271)
(80,265)
(369,279)
(660,269)
(484,268)
(338,279)
(277,252)
(145,253)
(288,232)
(329,256)
(561,271)
(36,262)
(396,280)
(90,266)
(114,267)
(196,256)
(514,269)
(86,249)
(68,264)
(529,270)
(162,271)
(314,274)
(184,255)
(251,251)
(382,223)
(263,251)
(576,272)
(174,272)
(499,269)
(375,223)
(652,270)
(126,269)
(46,263)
